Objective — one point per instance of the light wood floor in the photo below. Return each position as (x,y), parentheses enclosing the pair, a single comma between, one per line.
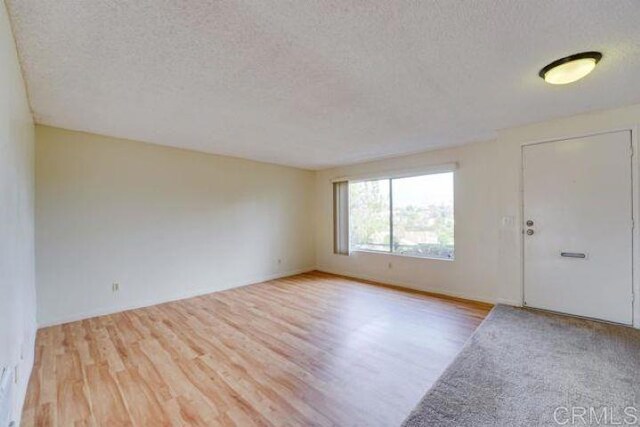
(313,349)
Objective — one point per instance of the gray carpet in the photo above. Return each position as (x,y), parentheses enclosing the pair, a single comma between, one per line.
(520,365)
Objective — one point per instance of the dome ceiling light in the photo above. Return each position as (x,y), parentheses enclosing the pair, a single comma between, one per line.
(571,68)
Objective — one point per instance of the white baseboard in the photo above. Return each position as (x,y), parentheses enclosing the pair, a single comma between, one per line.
(434,290)
(506,301)
(155,301)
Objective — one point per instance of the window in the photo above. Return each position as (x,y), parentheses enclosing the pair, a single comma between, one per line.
(370,215)
(407,216)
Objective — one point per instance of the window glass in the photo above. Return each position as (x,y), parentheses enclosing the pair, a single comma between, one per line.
(423,215)
(370,215)
(421,224)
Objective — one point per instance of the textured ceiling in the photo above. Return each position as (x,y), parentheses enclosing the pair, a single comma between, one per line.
(318,83)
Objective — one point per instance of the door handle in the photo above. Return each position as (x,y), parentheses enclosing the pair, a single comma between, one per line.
(573,255)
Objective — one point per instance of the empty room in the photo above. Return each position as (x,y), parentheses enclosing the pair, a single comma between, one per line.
(320,213)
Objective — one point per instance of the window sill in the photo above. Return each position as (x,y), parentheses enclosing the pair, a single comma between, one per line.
(402,255)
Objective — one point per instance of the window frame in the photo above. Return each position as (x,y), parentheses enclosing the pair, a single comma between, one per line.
(436,170)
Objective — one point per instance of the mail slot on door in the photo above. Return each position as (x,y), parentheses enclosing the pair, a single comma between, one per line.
(573,255)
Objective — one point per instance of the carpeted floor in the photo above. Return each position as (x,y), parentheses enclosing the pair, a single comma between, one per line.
(528,368)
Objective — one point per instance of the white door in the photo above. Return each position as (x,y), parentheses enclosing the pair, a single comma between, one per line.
(578,226)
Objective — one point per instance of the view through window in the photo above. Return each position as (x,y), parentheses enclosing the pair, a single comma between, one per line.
(408,216)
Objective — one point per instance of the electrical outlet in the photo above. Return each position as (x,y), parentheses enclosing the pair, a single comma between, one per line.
(115,287)
(390,266)
(279,261)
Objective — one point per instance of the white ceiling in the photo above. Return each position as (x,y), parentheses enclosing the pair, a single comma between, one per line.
(318,83)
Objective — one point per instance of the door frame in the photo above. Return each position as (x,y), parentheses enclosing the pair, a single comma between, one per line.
(635,208)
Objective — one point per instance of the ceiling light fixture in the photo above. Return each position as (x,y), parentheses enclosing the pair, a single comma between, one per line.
(571,68)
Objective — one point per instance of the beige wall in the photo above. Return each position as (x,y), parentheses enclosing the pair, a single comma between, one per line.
(478,238)
(487,265)
(164,223)
(17,291)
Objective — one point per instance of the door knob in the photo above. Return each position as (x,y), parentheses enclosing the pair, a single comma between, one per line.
(529,223)
(529,232)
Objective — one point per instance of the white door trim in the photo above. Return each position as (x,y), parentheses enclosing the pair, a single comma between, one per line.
(635,203)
